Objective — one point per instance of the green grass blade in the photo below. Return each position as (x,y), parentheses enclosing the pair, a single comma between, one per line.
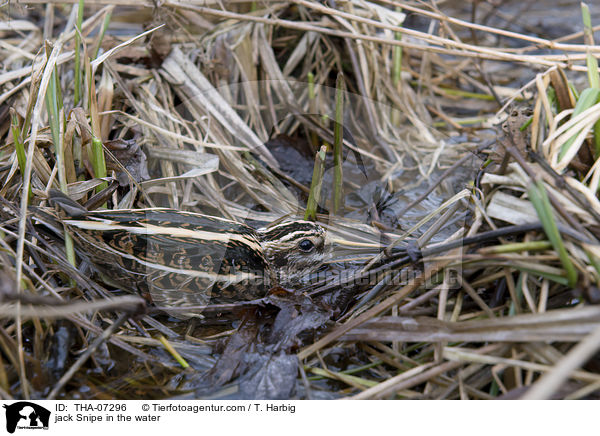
(588,38)
(594,261)
(173,352)
(588,98)
(105,24)
(541,203)
(19,146)
(592,66)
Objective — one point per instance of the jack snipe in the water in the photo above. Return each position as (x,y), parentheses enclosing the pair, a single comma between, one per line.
(184,259)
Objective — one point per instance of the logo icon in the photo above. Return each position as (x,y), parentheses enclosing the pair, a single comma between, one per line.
(26,415)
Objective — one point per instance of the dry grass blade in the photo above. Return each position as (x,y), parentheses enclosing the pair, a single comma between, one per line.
(61,310)
(195,86)
(557,325)
(551,381)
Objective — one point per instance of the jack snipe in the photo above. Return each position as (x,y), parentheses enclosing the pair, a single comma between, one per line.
(183,259)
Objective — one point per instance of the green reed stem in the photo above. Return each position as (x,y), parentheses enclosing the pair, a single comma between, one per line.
(316,184)
(311,85)
(518,247)
(314,140)
(96,150)
(77,65)
(56,120)
(338,139)
(98,162)
(397,58)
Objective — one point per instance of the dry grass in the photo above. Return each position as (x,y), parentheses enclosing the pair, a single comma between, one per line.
(499,302)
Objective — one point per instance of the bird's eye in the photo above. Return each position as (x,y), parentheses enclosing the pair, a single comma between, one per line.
(306,245)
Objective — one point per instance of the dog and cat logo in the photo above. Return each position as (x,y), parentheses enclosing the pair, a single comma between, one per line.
(26,415)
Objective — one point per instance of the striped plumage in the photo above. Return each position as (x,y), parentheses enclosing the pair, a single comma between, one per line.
(184,259)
